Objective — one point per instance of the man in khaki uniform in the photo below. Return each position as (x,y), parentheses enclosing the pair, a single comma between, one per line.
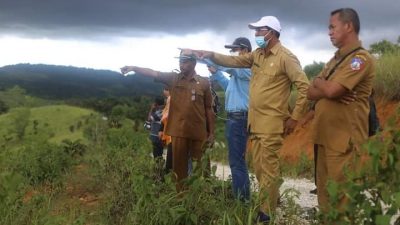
(190,119)
(274,70)
(341,119)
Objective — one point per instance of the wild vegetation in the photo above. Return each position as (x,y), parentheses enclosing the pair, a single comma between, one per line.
(88,161)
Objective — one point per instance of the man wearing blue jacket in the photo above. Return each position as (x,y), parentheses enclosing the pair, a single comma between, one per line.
(236,105)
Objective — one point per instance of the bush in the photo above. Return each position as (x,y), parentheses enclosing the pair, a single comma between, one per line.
(138,197)
(41,162)
(36,164)
(374,192)
(387,80)
(74,148)
(11,192)
(3,107)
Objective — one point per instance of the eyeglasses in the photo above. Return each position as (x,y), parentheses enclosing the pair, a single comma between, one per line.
(186,60)
(262,29)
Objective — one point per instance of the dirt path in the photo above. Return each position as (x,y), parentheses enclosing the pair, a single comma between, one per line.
(303,186)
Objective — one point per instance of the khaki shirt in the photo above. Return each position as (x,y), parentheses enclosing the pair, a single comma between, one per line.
(336,125)
(270,87)
(188,104)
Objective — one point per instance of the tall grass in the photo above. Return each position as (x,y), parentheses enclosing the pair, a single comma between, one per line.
(387,80)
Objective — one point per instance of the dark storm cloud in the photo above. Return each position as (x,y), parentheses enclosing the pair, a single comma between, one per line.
(104,18)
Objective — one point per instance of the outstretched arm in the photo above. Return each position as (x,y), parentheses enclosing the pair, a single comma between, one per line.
(219,77)
(140,70)
(244,61)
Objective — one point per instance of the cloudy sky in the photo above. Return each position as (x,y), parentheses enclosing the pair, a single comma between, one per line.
(108,34)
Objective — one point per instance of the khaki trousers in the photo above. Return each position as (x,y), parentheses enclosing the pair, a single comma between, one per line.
(182,149)
(265,159)
(331,166)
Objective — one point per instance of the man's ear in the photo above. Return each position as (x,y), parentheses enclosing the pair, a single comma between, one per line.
(349,27)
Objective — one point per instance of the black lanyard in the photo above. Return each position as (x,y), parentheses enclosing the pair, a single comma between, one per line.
(341,60)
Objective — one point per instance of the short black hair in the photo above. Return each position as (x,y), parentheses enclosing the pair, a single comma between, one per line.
(348,15)
(159,101)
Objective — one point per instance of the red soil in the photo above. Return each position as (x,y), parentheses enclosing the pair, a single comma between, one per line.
(300,141)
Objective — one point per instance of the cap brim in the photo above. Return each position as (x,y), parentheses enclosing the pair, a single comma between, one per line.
(185,58)
(255,25)
(233,46)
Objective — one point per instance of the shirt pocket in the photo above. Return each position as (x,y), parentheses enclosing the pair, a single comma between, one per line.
(269,74)
(181,92)
(199,96)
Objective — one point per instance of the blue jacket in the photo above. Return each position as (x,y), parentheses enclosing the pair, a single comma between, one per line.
(236,87)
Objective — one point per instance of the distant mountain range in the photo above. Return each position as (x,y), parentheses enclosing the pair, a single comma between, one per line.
(66,82)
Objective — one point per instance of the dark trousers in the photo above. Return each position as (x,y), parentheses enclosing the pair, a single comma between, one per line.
(315,163)
(168,163)
(236,134)
(157,146)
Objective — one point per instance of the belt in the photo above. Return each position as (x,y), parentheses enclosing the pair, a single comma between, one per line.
(237,114)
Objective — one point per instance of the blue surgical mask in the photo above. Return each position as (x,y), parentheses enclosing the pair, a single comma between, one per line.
(261,41)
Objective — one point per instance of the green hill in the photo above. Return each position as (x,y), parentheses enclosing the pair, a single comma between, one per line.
(55,123)
(66,82)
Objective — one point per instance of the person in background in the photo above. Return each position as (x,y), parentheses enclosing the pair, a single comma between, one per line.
(166,139)
(236,105)
(190,118)
(154,119)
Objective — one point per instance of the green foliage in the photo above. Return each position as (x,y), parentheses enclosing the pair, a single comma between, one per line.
(387,78)
(140,194)
(96,131)
(3,107)
(118,113)
(32,164)
(20,119)
(138,197)
(16,97)
(313,69)
(74,148)
(374,191)
(385,47)
(126,138)
(41,162)
(11,191)
(62,82)
(36,211)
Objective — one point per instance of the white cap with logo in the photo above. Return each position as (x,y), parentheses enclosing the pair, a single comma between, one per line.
(267,21)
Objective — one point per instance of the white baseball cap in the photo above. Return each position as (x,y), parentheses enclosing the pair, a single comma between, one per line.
(267,21)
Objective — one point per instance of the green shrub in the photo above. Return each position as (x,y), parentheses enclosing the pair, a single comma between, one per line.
(96,131)
(125,138)
(139,198)
(387,81)
(74,148)
(12,186)
(41,162)
(373,192)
